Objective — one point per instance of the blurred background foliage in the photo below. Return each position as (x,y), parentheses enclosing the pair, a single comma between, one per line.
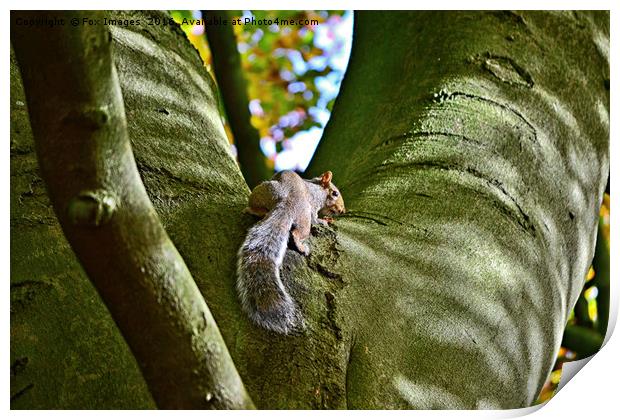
(294,74)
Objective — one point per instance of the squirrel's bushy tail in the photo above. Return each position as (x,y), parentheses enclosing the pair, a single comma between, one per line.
(261,292)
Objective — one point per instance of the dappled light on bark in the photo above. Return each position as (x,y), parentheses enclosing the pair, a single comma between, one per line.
(480,186)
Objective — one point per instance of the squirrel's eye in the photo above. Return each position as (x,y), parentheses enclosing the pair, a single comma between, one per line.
(334,193)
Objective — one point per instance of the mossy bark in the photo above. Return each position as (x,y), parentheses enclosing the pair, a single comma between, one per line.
(477,155)
(85,159)
(472,151)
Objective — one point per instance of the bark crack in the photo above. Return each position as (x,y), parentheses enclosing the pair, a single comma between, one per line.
(19,365)
(514,210)
(347,377)
(503,106)
(21,392)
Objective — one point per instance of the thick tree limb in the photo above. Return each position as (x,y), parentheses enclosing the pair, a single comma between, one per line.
(478,142)
(77,116)
(233,87)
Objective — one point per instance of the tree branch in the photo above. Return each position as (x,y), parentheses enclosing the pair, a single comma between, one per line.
(601,279)
(233,87)
(78,120)
(584,341)
(582,316)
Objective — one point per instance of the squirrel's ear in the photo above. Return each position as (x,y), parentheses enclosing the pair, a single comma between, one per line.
(326,178)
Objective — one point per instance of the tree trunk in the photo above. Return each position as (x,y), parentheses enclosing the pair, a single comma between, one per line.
(476,161)
(476,148)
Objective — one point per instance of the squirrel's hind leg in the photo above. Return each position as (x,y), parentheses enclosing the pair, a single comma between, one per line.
(263,198)
(299,233)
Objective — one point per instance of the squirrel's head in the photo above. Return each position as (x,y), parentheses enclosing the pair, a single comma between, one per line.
(334,204)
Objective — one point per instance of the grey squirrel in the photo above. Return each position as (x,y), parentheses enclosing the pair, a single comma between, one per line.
(289,205)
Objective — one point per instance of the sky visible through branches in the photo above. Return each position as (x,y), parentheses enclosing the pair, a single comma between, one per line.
(293,73)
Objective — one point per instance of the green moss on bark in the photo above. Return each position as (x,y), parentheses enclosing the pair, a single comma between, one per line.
(477,154)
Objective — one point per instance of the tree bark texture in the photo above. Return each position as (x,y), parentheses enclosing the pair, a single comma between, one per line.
(86,161)
(472,152)
(481,151)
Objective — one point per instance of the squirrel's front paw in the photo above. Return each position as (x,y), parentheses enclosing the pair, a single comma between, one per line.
(326,221)
(303,249)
